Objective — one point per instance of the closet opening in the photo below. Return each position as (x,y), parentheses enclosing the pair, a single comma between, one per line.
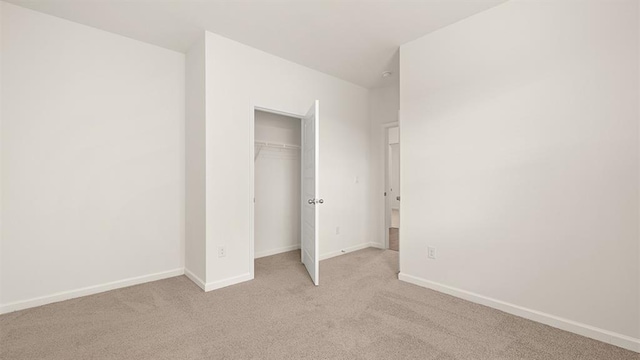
(277,183)
(392,187)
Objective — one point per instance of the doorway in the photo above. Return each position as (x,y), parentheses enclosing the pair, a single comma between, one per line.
(284,186)
(277,169)
(392,187)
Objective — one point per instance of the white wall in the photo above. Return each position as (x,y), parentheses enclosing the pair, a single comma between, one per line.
(1,27)
(638,44)
(276,185)
(520,163)
(195,163)
(92,160)
(394,135)
(383,109)
(277,128)
(239,77)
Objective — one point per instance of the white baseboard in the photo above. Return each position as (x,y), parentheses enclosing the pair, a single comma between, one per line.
(606,336)
(89,290)
(350,249)
(377,246)
(276,251)
(195,279)
(227,282)
(246,277)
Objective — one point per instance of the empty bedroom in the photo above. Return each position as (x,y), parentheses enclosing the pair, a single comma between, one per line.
(320,179)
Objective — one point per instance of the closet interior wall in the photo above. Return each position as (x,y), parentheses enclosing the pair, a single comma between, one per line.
(277,183)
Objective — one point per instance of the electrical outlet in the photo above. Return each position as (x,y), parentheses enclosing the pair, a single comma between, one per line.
(431,252)
(337,230)
(222,251)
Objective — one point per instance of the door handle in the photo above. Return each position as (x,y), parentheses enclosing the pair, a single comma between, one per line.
(321,201)
(311,201)
(398,198)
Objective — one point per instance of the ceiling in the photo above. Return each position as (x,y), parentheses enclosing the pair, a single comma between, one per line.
(355,40)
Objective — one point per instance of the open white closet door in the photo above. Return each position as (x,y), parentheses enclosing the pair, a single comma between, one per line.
(310,197)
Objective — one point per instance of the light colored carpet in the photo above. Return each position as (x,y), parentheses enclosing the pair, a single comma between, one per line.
(360,311)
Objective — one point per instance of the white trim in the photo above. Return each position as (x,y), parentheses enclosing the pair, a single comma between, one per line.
(252,189)
(227,282)
(377,246)
(194,278)
(276,251)
(277,112)
(350,249)
(89,290)
(592,332)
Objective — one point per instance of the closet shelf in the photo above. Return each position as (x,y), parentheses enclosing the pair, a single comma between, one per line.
(276,145)
(268,144)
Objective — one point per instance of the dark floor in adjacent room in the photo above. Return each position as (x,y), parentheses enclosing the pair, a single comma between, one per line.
(360,311)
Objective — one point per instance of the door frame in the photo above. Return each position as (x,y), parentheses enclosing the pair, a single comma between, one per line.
(384,128)
(252,177)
